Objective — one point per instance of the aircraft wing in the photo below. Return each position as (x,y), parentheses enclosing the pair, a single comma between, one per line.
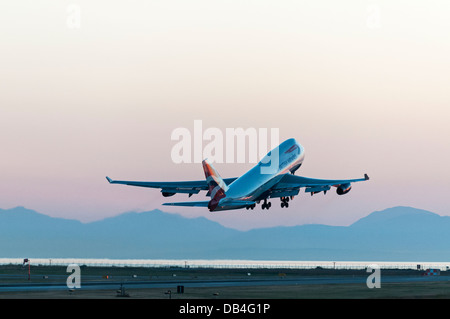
(171,188)
(290,185)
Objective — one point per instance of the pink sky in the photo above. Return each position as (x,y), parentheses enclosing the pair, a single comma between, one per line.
(79,104)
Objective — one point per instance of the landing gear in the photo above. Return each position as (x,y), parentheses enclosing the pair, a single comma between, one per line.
(284,202)
(266,205)
(250,207)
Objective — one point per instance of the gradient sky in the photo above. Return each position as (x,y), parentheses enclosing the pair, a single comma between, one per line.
(362,85)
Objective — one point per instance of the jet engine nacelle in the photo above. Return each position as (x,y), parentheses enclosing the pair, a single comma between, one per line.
(167,194)
(343,189)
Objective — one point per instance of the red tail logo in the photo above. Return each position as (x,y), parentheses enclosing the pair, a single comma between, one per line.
(216,185)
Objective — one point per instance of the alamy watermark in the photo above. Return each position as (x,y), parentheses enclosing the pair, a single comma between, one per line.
(373,280)
(373,20)
(234,145)
(74,279)
(73,20)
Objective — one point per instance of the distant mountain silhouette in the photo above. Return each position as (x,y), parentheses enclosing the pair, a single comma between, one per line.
(397,234)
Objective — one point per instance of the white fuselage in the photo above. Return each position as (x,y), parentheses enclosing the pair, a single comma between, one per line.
(256,183)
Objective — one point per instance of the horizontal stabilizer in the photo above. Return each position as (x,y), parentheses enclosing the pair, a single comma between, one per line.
(230,204)
(192,204)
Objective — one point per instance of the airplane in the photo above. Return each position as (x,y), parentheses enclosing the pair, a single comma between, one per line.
(252,187)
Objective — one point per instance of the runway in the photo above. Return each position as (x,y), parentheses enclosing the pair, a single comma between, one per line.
(173,283)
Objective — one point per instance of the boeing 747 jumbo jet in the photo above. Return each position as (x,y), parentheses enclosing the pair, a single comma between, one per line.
(254,186)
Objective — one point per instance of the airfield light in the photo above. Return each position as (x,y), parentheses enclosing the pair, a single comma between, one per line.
(25,261)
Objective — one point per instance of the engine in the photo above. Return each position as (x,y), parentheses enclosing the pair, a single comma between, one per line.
(343,189)
(167,194)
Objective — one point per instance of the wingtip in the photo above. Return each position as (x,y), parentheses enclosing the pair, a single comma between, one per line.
(109,179)
(366,177)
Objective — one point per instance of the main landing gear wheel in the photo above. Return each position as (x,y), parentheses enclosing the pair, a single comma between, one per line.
(284,202)
(266,205)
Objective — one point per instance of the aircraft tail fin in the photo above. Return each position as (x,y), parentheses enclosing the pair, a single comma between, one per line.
(217,186)
(212,177)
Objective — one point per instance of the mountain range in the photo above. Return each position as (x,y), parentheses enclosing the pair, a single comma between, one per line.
(395,234)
